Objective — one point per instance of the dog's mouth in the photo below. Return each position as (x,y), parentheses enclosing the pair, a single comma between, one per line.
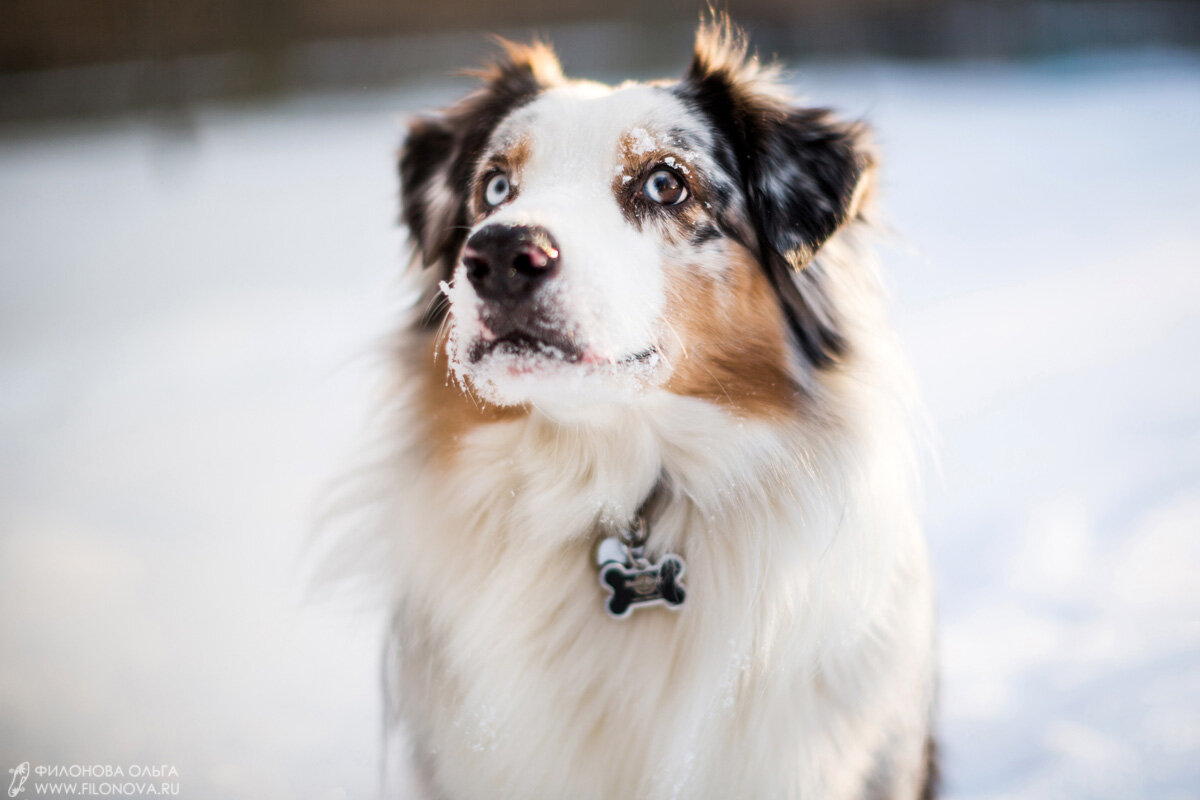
(552,365)
(520,342)
(551,346)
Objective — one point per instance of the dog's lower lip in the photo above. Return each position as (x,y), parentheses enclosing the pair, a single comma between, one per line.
(567,351)
(642,356)
(529,342)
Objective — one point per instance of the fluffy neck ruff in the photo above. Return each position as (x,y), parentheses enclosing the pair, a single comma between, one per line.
(793,566)
(821,506)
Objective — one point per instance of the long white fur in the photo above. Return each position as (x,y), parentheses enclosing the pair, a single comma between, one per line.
(801,663)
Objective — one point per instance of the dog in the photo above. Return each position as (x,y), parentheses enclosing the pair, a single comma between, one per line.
(650,528)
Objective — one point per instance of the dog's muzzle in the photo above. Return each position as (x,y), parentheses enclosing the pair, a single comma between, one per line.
(506,265)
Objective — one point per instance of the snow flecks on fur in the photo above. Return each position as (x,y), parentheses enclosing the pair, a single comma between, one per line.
(466,327)
(671,161)
(641,141)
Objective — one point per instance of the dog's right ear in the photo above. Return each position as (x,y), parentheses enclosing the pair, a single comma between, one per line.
(440,152)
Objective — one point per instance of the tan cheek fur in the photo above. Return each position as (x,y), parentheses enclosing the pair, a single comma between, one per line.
(728,338)
(449,411)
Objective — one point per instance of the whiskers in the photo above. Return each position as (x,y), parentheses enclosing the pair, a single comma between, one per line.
(444,345)
(679,339)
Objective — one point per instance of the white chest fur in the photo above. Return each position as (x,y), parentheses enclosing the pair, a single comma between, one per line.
(799,666)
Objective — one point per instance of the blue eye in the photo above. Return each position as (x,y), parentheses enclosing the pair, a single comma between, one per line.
(497,190)
(665,188)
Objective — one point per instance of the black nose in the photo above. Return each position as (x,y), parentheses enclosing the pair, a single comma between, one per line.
(506,263)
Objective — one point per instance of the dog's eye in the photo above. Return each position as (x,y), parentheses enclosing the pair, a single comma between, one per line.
(497,190)
(665,188)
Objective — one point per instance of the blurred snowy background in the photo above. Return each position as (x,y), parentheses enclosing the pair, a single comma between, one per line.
(191,297)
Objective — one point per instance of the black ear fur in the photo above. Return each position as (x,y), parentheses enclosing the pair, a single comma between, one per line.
(440,151)
(806,180)
(804,174)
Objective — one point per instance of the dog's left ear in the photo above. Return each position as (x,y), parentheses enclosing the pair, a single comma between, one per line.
(805,173)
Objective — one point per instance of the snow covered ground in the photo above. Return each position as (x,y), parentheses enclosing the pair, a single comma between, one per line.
(188,310)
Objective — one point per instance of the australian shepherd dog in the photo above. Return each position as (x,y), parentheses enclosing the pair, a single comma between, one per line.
(650,527)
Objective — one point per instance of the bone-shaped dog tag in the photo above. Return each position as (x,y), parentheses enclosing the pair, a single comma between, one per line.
(635,581)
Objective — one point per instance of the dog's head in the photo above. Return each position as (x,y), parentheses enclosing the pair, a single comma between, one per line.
(600,242)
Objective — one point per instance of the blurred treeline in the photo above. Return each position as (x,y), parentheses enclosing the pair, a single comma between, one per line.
(60,57)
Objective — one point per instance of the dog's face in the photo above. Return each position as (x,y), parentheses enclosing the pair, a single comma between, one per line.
(596,243)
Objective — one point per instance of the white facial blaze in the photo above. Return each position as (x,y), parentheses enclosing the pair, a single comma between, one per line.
(608,296)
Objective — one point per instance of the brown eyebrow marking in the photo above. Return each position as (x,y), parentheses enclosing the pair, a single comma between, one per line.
(516,155)
(511,158)
(640,148)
